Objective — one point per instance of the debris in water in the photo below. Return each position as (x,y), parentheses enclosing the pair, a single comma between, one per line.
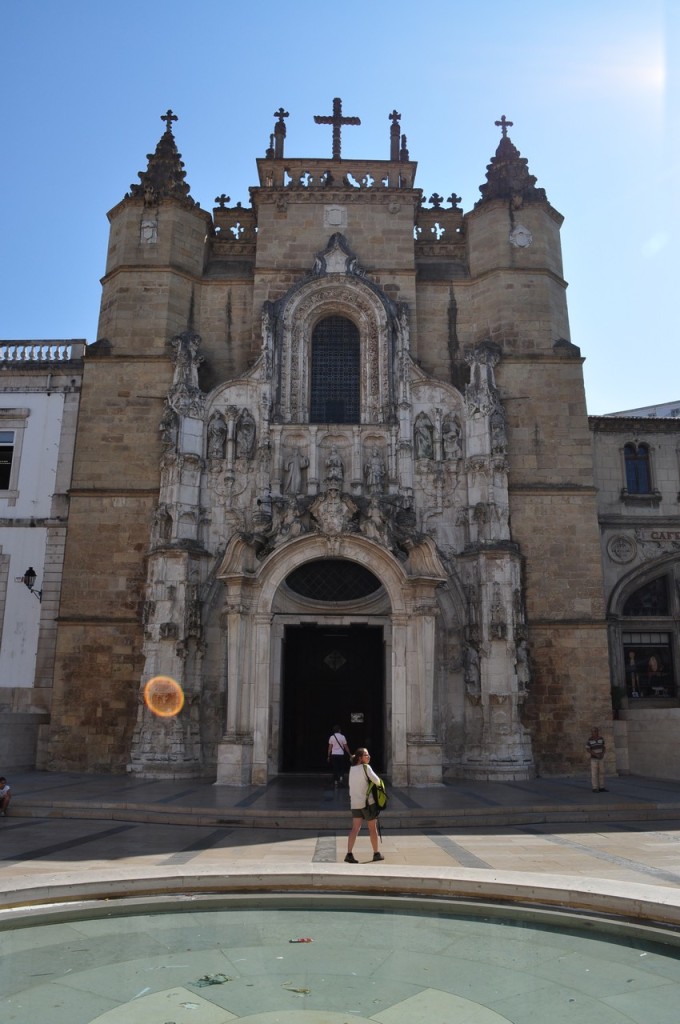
(210,979)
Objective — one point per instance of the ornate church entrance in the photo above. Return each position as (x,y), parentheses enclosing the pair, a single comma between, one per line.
(332,675)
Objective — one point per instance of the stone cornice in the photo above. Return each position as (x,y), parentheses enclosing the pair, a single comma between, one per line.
(637,425)
(551,489)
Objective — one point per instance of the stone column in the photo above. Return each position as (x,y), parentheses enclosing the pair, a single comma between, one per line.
(235,750)
(424,750)
(400,625)
(260,698)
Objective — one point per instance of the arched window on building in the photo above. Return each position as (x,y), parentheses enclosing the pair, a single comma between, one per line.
(335,379)
(648,642)
(638,471)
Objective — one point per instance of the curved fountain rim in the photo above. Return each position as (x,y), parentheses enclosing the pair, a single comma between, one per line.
(604,900)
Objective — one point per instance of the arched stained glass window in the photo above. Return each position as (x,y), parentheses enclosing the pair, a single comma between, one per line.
(335,373)
(638,476)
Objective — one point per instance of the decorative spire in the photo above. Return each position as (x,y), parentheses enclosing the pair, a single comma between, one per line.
(507,176)
(164,176)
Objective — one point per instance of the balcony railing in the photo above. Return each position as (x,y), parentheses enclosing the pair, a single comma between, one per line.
(41,351)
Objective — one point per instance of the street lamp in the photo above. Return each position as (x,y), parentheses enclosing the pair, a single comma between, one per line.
(28,579)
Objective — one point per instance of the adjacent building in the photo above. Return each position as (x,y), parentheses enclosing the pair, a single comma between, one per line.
(637,468)
(39,396)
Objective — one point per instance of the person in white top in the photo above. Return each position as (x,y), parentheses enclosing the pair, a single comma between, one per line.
(363,806)
(337,751)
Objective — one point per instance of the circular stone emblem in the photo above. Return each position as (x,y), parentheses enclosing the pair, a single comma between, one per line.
(621,549)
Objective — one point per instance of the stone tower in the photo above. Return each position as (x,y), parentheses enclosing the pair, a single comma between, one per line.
(333,465)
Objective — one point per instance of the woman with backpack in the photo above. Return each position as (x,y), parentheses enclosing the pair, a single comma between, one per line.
(363,803)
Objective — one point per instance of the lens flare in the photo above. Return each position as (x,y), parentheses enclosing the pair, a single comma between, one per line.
(164,696)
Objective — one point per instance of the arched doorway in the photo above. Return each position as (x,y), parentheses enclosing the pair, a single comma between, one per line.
(332,661)
(261,607)
(333,675)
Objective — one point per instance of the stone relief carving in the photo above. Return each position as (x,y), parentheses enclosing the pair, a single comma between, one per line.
(149,230)
(621,549)
(334,513)
(185,396)
(480,394)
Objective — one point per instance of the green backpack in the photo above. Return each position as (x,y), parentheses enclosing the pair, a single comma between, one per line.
(379,792)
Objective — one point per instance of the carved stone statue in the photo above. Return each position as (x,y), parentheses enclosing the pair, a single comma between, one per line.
(217,436)
(451,438)
(168,427)
(498,434)
(423,433)
(187,359)
(295,466)
(523,670)
(335,469)
(374,471)
(471,675)
(245,436)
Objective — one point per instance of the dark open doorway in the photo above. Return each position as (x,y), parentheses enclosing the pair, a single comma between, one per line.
(332,675)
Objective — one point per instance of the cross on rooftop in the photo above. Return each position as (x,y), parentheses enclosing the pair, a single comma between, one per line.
(281,113)
(337,120)
(394,134)
(504,124)
(169,117)
(222,200)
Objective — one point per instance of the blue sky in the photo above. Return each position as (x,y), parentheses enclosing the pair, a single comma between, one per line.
(592,89)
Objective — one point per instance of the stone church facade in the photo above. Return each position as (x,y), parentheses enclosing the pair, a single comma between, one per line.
(333,466)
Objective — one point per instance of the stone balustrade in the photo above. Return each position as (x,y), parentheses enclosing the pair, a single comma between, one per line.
(41,351)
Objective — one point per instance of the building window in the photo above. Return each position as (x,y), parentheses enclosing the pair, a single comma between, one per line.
(648,658)
(6,458)
(638,475)
(335,374)
(333,579)
(13,424)
(652,599)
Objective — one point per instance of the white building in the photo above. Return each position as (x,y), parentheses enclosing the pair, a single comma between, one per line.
(39,396)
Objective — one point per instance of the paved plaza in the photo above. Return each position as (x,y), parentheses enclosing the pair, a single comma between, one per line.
(125,901)
(62,826)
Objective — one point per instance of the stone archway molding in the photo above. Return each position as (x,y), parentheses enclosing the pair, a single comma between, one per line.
(244,756)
